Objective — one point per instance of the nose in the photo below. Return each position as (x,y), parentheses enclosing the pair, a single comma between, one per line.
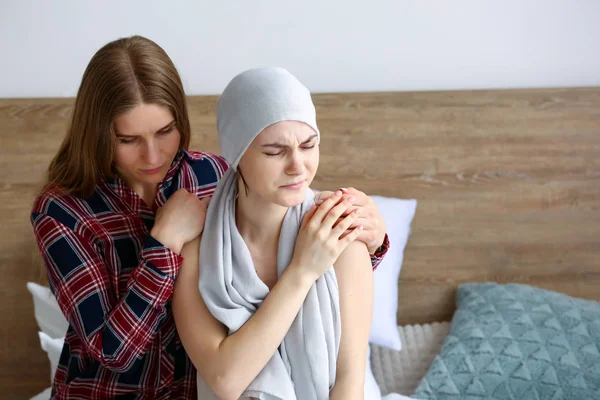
(152,152)
(295,165)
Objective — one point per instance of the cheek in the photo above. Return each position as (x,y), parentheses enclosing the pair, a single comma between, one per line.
(313,162)
(266,173)
(252,169)
(173,142)
(124,157)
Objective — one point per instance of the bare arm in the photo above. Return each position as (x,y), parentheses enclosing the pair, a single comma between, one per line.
(355,281)
(228,364)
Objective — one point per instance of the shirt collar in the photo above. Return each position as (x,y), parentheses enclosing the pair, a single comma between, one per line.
(131,198)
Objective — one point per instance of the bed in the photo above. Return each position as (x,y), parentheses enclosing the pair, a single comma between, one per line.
(507,183)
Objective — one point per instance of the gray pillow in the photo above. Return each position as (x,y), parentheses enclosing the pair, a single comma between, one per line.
(517,342)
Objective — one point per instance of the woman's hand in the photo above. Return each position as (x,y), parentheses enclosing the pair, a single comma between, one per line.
(180,220)
(320,242)
(370,218)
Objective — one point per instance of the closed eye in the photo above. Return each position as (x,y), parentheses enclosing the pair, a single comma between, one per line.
(281,152)
(123,140)
(167,130)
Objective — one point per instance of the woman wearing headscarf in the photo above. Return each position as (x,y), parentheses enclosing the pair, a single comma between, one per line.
(280,306)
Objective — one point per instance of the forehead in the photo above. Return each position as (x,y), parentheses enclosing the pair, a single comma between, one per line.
(143,118)
(285,132)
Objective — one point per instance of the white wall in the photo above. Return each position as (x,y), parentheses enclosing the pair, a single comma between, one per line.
(331,45)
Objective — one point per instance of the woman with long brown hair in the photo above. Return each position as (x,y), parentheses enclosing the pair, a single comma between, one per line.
(124,195)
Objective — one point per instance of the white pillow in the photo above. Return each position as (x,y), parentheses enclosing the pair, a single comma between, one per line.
(47,313)
(45,395)
(398,215)
(53,326)
(53,348)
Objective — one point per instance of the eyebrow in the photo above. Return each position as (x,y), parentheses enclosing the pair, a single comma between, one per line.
(164,128)
(283,146)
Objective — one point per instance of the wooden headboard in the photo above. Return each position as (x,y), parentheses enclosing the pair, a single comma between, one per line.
(507,182)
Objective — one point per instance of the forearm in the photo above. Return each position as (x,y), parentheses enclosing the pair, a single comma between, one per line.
(103,321)
(380,252)
(346,389)
(246,352)
(356,307)
(229,363)
(154,274)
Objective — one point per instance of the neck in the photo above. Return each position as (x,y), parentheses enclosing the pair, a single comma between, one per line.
(258,221)
(147,192)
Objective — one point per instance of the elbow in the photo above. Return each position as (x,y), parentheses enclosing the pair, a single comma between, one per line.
(348,389)
(226,387)
(120,365)
(108,355)
(114,361)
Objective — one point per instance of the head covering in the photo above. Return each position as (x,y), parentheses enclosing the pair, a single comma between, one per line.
(304,367)
(256,99)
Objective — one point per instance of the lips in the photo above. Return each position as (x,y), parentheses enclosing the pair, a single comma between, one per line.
(152,171)
(293,185)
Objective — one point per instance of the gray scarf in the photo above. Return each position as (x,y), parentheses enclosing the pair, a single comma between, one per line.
(305,366)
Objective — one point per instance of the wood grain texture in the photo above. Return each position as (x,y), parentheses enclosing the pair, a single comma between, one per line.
(508,184)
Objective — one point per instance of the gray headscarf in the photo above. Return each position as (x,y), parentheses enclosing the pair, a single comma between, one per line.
(305,365)
(256,99)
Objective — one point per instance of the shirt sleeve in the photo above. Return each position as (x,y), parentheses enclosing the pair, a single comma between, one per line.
(380,252)
(116,331)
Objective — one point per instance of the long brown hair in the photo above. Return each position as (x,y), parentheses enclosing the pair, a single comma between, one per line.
(121,75)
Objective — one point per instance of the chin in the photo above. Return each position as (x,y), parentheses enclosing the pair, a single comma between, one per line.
(153,179)
(292,199)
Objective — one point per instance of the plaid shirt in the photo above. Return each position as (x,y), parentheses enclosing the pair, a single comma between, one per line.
(114,283)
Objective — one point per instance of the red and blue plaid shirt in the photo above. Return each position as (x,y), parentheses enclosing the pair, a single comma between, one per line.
(114,282)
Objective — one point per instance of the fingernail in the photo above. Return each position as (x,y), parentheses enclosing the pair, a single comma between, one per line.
(351,199)
(344,189)
(360,228)
(357,211)
(338,193)
(319,202)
